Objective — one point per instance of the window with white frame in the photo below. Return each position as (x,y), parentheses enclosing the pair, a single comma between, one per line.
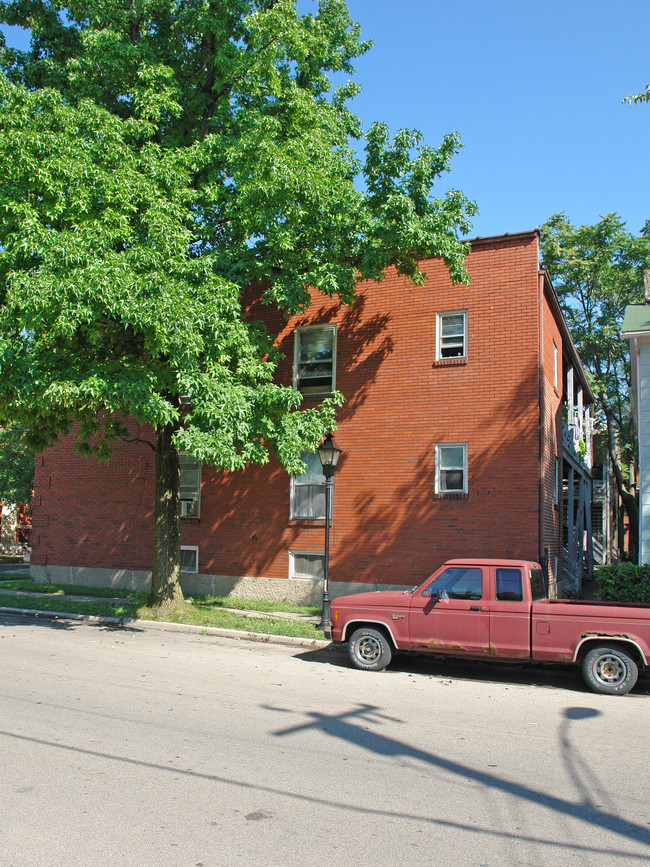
(306,564)
(308,490)
(555,365)
(452,335)
(315,359)
(451,468)
(190,488)
(189,558)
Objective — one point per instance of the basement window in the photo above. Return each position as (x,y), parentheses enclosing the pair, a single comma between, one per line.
(189,558)
(306,564)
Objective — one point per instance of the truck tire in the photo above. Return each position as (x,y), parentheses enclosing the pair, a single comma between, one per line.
(369,649)
(609,669)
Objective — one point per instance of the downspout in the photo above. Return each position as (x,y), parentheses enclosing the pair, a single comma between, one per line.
(542,423)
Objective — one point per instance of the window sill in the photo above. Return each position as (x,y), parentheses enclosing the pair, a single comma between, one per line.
(315,398)
(450,362)
(195,519)
(449,496)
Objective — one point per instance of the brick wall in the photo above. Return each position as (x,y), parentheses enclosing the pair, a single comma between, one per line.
(389,525)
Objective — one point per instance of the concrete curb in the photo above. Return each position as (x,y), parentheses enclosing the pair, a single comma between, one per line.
(164,626)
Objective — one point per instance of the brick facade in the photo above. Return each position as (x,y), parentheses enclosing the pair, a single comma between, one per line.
(389,524)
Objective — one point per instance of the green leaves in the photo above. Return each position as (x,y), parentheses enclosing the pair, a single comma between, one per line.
(636,98)
(154,162)
(16,465)
(597,271)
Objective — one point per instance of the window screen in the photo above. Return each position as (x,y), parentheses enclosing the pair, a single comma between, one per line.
(189,559)
(308,490)
(307,565)
(452,335)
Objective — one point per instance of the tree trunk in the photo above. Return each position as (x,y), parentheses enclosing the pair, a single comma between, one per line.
(166,576)
(628,498)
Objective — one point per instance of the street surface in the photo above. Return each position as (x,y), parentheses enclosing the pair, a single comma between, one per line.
(157,748)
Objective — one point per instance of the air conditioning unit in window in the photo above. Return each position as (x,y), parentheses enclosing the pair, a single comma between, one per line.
(189,508)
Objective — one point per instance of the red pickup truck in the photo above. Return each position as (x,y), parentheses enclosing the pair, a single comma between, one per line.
(496,609)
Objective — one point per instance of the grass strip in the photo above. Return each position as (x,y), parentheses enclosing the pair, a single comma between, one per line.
(187,612)
(9,581)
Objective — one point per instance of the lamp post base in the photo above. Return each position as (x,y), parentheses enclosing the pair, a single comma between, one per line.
(325,624)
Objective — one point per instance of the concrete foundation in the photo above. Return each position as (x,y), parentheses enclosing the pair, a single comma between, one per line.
(296,591)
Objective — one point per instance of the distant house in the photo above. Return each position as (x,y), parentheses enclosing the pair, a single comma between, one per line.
(15,528)
(466,431)
(636,328)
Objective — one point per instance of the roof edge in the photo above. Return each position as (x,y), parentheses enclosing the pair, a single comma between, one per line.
(506,236)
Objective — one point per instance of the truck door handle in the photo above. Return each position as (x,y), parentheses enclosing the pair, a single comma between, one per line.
(476,607)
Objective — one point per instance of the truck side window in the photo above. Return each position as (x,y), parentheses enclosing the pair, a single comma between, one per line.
(538,584)
(457,582)
(510,587)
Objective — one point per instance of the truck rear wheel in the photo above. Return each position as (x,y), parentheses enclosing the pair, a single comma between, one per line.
(609,669)
(369,649)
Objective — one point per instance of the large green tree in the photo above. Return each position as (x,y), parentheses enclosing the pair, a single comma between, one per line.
(16,465)
(597,271)
(158,157)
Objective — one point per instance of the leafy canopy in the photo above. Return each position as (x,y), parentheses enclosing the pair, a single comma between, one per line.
(597,271)
(158,158)
(16,466)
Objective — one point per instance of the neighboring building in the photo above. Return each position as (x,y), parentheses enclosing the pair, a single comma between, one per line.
(636,328)
(467,418)
(15,528)
(609,522)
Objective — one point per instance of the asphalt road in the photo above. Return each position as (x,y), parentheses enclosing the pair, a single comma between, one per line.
(124,747)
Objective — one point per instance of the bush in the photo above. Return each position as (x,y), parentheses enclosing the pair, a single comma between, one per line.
(624,582)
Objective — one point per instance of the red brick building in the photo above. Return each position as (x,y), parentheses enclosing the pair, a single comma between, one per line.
(452,438)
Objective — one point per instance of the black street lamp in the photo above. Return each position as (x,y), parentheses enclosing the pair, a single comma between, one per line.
(329,454)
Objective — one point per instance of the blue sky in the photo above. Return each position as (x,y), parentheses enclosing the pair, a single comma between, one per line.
(535,91)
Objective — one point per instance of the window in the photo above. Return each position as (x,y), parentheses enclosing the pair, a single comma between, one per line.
(555,367)
(306,564)
(308,490)
(315,359)
(538,584)
(189,558)
(451,468)
(510,587)
(452,335)
(190,490)
(457,582)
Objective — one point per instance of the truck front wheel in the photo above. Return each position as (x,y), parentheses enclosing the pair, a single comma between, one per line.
(609,669)
(369,649)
